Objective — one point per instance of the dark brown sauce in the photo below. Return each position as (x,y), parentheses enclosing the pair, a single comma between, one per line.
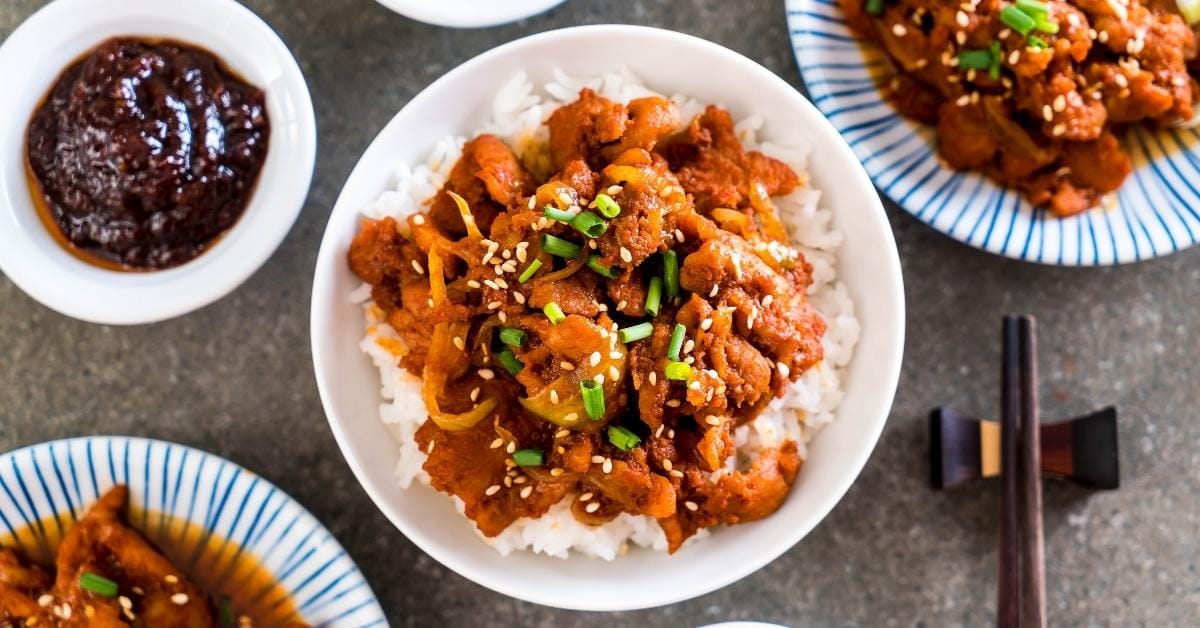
(144,153)
(214,564)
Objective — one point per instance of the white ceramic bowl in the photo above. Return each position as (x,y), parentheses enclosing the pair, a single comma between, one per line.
(32,59)
(671,63)
(469,13)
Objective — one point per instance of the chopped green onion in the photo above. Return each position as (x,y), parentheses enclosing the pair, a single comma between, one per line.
(997,55)
(678,371)
(593,398)
(228,617)
(635,333)
(98,584)
(529,457)
(975,59)
(874,7)
(1045,24)
(654,296)
(622,438)
(554,213)
(671,273)
(1017,19)
(510,362)
(589,224)
(676,341)
(594,264)
(607,206)
(559,247)
(554,313)
(513,337)
(1038,42)
(532,268)
(1033,8)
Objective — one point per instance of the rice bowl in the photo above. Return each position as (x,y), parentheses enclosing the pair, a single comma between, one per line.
(866,263)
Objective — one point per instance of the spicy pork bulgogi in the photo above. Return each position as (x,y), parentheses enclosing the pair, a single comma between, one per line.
(1032,92)
(107,576)
(596,318)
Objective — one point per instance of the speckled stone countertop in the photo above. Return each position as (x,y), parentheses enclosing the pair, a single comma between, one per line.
(235,378)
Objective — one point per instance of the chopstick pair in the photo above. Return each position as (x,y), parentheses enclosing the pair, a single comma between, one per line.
(1021,595)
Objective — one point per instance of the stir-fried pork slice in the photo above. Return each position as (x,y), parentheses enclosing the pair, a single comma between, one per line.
(490,177)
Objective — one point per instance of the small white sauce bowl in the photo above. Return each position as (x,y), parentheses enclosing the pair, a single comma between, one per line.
(469,13)
(32,59)
(670,63)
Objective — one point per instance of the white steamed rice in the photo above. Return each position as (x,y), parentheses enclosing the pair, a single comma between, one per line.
(518,113)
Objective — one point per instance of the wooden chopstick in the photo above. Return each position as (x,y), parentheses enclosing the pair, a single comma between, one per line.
(1033,568)
(1008,594)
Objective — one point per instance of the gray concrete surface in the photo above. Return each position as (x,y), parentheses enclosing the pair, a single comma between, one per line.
(235,378)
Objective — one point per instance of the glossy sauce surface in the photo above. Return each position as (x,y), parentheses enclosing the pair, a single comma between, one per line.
(144,153)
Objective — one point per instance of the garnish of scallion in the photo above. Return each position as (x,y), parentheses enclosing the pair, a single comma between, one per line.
(677,335)
(607,206)
(874,7)
(589,224)
(975,59)
(554,213)
(593,398)
(1016,19)
(635,333)
(678,371)
(532,268)
(98,584)
(559,247)
(622,438)
(529,457)
(654,296)
(513,337)
(671,273)
(605,271)
(510,362)
(554,313)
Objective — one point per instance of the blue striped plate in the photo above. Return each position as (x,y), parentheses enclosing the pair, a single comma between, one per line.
(1157,211)
(200,503)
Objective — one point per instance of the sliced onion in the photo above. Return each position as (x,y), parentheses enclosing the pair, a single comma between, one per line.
(446,361)
(1190,10)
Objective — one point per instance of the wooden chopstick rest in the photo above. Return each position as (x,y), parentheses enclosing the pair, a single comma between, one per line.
(1082,450)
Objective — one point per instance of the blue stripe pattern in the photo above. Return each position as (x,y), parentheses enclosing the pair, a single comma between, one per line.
(1156,212)
(218,497)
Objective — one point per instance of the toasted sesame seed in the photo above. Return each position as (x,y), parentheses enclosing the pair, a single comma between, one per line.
(471,283)
(783,368)
(659,431)
(428,450)
(525,492)
(706,324)
(622,304)
(492,490)
(45,600)
(679,236)
(695,385)
(491,284)
(626,256)
(487,373)
(566,366)
(572,417)
(597,459)
(494,305)
(1060,103)
(417,267)
(553,396)
(458,342)
(125,602)
(673,403)
(607,466)
(592,507)
(556,471)
(599,378)
(498,443)
(962,19)
(520,479)
(690,505)
(712,420)
(475,394)
(1058,129)
(666,464)
(713,292)
(689,345)
(519,298)
(594,359)
(898,30)
(768,300)
(676,473)
(653,378)
(613,373)
(512,447)
(170,579)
